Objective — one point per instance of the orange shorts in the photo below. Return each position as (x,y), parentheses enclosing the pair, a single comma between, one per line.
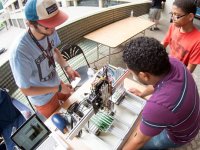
(48,109)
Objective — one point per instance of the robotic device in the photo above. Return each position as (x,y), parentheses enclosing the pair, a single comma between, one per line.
(101,91)
(98,100)
(96,113)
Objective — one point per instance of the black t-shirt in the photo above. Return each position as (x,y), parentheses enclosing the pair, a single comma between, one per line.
(157,3)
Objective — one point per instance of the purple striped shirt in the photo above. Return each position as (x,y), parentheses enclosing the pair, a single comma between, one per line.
(173,106)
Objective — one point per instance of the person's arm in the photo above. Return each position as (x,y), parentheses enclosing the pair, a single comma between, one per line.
(31,91)
(148,91)
(61,61)
(163,4)
(59,58)
(63,88)
(136,140)
(165,43)
(167,37)
(194,58)
(191,67)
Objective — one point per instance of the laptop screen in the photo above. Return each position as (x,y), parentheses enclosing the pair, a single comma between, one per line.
(31,134)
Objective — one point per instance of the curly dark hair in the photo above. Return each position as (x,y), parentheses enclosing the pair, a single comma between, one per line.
(188,6)
(147,55)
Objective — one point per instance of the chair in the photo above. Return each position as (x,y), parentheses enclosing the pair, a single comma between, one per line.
(70,52)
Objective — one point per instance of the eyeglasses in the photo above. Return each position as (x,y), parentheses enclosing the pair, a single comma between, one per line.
(46,28)
(175,17)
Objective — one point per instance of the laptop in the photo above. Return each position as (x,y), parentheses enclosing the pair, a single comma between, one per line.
(34,135)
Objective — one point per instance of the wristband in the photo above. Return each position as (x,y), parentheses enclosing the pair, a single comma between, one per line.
(59,88)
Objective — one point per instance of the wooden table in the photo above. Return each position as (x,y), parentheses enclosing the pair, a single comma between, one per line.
(119,32)
(89,141)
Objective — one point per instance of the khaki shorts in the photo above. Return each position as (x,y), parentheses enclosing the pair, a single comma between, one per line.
(155,14)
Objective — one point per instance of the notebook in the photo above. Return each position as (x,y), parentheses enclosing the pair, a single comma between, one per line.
(34,134)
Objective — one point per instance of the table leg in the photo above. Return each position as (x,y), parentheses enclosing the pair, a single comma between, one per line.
(109,55)
(97,51)
(97,55)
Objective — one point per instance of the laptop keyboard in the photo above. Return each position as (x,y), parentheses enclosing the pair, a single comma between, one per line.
(49,144)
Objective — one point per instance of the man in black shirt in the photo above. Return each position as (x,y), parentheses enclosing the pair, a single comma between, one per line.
(155,12)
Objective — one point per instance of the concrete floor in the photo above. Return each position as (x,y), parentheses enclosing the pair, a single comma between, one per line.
(8,37)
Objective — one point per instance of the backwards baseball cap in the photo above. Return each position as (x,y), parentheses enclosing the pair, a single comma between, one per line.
(45,12)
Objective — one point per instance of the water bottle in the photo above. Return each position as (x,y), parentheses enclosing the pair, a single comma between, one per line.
(90,73)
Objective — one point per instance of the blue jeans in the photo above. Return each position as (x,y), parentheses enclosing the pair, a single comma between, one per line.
(160,142)
(25,111)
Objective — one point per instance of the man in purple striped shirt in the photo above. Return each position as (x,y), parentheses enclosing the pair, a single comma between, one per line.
(171,116)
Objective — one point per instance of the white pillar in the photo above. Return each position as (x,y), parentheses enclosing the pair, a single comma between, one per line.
(20,4)
(101,3)
(75,3)
(13,7)
(64,3)
(24,20)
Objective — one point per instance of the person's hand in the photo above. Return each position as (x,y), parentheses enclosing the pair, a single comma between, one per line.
(135,91)
(26,114)
(72,73)
(66,88)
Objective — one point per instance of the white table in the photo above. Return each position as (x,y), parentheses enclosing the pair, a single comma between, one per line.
(119,32)
(105,141)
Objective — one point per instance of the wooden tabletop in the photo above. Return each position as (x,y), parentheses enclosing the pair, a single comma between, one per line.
(118,32)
